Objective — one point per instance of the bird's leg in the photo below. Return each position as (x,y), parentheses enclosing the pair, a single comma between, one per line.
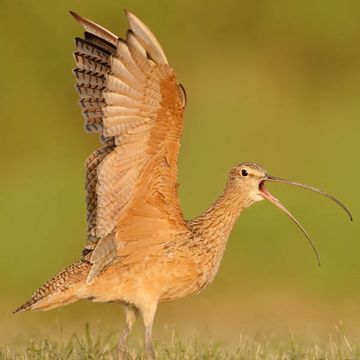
(148,315)
(149,349)
(131,314)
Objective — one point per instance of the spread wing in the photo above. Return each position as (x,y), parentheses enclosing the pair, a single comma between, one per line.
(129,94)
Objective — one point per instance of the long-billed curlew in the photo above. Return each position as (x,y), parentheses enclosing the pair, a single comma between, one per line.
(140,250)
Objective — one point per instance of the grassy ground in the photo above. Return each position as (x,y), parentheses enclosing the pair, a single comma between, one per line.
(89,346)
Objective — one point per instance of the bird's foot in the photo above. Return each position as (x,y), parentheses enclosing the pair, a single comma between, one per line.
(149,352)
(121,351)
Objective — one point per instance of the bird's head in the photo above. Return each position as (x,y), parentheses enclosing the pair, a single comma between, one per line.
(246,178)
(250,179)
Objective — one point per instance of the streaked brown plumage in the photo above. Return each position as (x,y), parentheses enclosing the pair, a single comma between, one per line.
(140,249)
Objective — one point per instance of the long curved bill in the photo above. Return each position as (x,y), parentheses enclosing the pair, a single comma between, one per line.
(265,194)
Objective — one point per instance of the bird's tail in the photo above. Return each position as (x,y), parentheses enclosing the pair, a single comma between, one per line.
(59,290)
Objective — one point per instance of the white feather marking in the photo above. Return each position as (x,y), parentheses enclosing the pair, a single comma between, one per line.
(110,111)
(134,42)
(117,85)
(113,98)
(130,120)
(147,38)
(125,56)
(122,72)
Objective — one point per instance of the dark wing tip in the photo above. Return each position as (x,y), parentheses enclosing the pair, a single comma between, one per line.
(75,15)
(20,309)
(78,18)
(128,13)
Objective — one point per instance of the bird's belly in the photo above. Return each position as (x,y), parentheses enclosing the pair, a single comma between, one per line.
(156,279)
(186,283)
(183,279)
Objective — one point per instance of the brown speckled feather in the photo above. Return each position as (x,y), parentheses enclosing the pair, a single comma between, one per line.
(130,94)
(57,285)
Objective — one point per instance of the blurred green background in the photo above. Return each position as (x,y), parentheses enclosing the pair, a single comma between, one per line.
(272,82)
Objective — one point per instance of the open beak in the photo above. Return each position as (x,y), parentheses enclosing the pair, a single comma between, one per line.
(266,195)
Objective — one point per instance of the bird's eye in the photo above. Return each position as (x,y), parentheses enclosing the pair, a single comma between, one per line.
(244,172)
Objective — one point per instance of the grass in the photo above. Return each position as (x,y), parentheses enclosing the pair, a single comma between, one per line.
(90,346)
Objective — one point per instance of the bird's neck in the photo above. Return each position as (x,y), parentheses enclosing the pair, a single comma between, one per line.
(213,227)
(216,223)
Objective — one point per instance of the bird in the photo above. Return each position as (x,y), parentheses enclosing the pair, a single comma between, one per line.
(140,250)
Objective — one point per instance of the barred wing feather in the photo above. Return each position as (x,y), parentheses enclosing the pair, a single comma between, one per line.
(129,94)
